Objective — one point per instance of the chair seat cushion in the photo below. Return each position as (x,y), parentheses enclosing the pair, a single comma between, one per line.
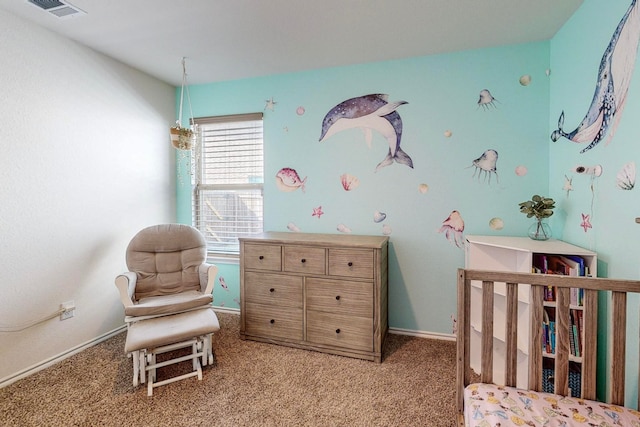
(167,304)
(159,331)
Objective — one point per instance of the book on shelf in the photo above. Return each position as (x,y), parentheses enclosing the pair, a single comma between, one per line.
(580,263)
(556,264)
(576,330)
(546,334)
(569,265)
(572,341)
(539,263)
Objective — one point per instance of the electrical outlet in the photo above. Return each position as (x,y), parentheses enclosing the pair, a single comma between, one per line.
(69,308)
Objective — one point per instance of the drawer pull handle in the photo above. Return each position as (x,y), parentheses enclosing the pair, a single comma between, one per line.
(350,264)
(272,290)
(303,260)
(337,331)
(272,321)
(338,297)
(261,257)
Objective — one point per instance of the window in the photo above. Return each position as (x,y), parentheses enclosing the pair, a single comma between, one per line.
(229,178)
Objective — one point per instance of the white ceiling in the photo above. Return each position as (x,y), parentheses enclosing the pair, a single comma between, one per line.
(237,39)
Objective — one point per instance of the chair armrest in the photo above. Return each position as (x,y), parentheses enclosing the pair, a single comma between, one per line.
(126,284)
(208,273)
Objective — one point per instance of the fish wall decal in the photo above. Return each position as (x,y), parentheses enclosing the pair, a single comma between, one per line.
(288,180)
(614,77)
(369,112)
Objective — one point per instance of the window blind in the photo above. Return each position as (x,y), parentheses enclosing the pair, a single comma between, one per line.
(229,180)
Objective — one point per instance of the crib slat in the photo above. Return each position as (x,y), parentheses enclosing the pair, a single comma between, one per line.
(618,347)
(561,374)
(511,335)
(463,339)
(589,344)
(487,332)
(536,310)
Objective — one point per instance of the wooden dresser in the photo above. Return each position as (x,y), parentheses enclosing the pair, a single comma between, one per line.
(323,292)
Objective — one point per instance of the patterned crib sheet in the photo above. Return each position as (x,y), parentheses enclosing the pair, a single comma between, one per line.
(489,405)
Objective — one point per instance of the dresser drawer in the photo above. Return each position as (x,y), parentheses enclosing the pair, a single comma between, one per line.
(339,296)
(351,263)
(273,289)
(262,257)
(340,330)
(304,259)
(273,322)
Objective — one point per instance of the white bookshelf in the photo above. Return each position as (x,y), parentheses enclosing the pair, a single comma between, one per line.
(514,254)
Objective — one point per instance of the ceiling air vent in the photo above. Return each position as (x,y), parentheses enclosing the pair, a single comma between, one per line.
(61,9)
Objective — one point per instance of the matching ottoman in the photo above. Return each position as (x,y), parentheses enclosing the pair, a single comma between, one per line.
(150,337)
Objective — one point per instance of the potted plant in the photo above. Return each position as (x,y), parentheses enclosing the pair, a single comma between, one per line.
(541,208)
(181,137)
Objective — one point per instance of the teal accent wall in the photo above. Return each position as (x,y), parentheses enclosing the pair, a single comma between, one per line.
(442,93)
(576,52)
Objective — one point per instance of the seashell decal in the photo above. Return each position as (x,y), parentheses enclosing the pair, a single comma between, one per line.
(300,110)
(292,227)
(349,182)
(525,80)
(448,133)
(343,228)
(386,230)
(626,177)
(496,224)
(521,170)
(423,188)
(595,170)
(379,216)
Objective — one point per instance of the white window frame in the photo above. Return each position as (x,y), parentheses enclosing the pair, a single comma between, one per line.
(221,141)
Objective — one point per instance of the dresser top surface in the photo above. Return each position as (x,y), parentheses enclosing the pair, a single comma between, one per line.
(350,240)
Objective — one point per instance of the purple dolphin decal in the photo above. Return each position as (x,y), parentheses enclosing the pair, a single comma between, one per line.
(369,112)
(614,77)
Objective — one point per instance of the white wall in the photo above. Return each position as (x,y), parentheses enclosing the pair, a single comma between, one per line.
(86,162)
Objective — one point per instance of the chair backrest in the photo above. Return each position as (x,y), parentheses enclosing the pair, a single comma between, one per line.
(166,259)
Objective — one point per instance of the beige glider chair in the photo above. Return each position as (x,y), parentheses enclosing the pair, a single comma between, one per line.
(167,296)
(167,274)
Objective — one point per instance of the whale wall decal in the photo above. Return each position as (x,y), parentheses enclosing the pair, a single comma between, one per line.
(369,112)
(614,77)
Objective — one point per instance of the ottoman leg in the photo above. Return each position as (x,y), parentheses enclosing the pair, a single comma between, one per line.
(136,368)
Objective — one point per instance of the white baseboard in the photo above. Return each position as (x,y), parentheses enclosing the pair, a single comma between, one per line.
(226,310)
(58,358)
(423,334)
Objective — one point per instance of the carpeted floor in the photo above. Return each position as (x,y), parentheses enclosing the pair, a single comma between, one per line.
(249,384)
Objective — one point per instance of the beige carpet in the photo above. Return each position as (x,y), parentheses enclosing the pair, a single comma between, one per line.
(249,384)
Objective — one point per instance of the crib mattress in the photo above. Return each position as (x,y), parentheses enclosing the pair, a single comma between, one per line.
(489,405)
